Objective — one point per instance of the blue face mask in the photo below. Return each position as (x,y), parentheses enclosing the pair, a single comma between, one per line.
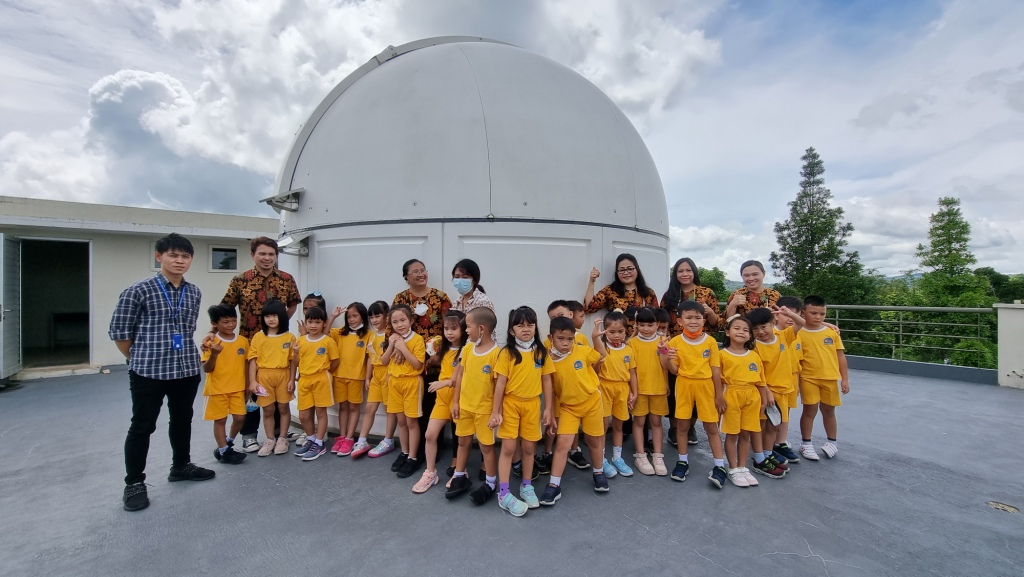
(462,285)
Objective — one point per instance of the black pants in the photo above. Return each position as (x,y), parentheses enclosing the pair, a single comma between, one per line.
(147,398)
(253,420)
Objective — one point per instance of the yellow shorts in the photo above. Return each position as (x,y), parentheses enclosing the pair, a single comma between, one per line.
(589,414)
(616,399)
(520,418)
(825,391)
(315,391)
(471,423)
(742,410)
(783,400)
(700,392)
(275,381)
(405,395)
(651,404)
(348,390)
(443,405)
(220,406)
(378,392)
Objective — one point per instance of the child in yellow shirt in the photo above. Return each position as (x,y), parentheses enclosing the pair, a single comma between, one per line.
(224,358)
(315,358)
(404,357)
(778,358)
(785,329)
(618,387)
(572,310)
(652,393)
(823,375)
(376,386)
(350,377)
(745,397)
(270,374)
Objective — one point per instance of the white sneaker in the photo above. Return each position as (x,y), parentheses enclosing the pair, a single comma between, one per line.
(301,439)
(751,480)
(738,478)
(808,452)
(830,449)
(642,464)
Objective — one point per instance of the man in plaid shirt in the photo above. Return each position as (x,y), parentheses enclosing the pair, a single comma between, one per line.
(153,327)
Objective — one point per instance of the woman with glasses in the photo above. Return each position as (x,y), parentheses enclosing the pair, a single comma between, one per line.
(628,290)
(429,305)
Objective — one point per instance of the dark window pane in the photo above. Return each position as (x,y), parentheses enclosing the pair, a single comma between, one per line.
(224,259)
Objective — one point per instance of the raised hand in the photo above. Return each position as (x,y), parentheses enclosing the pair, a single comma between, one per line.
(594,274)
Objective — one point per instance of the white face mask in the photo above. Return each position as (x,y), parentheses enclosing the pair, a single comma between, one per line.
(557,354)
(524,344)
(356,328)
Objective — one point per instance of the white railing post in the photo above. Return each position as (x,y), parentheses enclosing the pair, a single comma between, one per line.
(1010,320)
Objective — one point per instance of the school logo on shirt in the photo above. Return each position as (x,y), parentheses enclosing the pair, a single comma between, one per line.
(753,367)
(455,362)
(536,364)
(782,347)
(360,344)
(577,365)
(797,346)
(241,351)
(321,351)
(486,370)
(706,354)
(625,359)
(286,345)
(828,340)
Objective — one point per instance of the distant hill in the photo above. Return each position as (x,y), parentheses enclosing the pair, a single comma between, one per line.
(732,285)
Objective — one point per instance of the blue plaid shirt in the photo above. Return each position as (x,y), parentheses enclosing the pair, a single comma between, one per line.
(144,316)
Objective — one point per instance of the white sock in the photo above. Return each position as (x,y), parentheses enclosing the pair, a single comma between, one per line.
(491,481)
(684,458)
(556,481)
(362,439)
(719,462)
(460,473)
(616,452)
(388,442)
(318,441)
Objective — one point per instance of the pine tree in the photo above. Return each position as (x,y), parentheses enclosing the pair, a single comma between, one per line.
(948,251)
(812,257)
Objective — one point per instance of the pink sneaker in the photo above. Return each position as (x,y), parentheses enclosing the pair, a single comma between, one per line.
(428,480)
(360,449)
(346,447)
(337,444)
(382,448)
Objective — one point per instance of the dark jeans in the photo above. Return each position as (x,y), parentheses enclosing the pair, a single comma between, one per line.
(147,398)
(253,420)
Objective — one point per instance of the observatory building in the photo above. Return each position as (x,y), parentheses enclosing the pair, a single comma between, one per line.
(456,147)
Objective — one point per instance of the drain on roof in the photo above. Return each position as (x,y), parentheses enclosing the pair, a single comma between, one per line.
(1002,507)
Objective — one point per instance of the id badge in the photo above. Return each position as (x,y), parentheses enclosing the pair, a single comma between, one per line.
(176,342)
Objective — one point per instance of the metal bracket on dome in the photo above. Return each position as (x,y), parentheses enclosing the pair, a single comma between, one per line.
(294,244)
(288,201)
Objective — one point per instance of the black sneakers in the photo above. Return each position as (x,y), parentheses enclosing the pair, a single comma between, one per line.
(135,497)
(542,464)
(399,461)
(680,471)
(691,435)
(409,467)
(600,483)
(718,476)
(481,494)
(552,493)
(460,484)
(230,456)
(190,472)
(517,470)
(672,437)
(576,459)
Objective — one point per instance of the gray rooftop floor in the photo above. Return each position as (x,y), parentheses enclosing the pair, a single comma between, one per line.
(906,496)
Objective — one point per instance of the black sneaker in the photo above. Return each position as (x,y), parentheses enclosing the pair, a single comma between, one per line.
(672,437)
(399,461)
(190,472)
(551,494)
(231,456)
(542,464)
(576,459)
(481,494)
(680,471)
(600,483)
(786,451)
(135,497)
(767,468)
(517,469)
(718,476)
(409,467)
(691,435)
(216,454)
(778,460)
(482,475)
(450,470)
(459,485)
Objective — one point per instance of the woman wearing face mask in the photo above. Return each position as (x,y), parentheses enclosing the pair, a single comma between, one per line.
(466,280)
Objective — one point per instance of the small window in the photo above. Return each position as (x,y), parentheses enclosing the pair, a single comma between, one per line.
(225,259)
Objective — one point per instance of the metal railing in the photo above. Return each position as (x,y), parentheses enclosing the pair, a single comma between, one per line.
(961,336)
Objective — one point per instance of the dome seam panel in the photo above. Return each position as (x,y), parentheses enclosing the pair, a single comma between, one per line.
(487,140)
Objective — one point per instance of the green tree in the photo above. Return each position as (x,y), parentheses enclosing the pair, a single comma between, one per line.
(714,279)
(1005,288)
(812,257)
(948,251)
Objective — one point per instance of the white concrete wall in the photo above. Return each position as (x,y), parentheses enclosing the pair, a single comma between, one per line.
(1011,350)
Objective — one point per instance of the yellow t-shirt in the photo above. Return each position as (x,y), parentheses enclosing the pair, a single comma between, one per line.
(418,349)
(792,340)
(574,378)
(581,339)
(524,378)
(449,361)
(652,378)
(617,364)
(352,349)
(742,370)
(229,376)
(273,352)
(777,358)
(375,347)
(695,359)
(477,391)
(820,359)
(315,356)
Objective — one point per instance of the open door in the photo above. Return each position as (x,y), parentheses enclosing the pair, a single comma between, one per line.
(10,306)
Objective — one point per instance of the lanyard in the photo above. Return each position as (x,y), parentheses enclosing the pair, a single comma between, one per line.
(181,295)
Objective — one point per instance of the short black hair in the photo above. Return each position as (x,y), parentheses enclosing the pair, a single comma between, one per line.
(646,315)
(814,301)
(561,324)
(792,303)
(615,317)
(574,306)
(751,343)
(662,315)
(760,316)
(218,312)
(175,241)
(275,307)
(483,316)
(691,306)
(316,314)
(559,303)
(319,298)
(378,308)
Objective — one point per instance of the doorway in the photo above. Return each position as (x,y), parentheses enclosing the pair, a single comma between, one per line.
(55,302)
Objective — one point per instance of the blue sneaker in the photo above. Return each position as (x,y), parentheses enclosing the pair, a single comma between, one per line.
(551,494)
(305,447)
(529,495)
(680,471)
(600,483)
(314,452)
(608,470)
(514,506)
(787,452)
(622,467)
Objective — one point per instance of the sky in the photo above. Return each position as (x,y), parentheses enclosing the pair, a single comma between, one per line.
(192,105)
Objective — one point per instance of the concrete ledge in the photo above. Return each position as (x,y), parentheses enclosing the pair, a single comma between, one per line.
(929,370)
(51,372)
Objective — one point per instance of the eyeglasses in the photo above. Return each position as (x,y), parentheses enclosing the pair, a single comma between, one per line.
(626,270)
(418,271)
